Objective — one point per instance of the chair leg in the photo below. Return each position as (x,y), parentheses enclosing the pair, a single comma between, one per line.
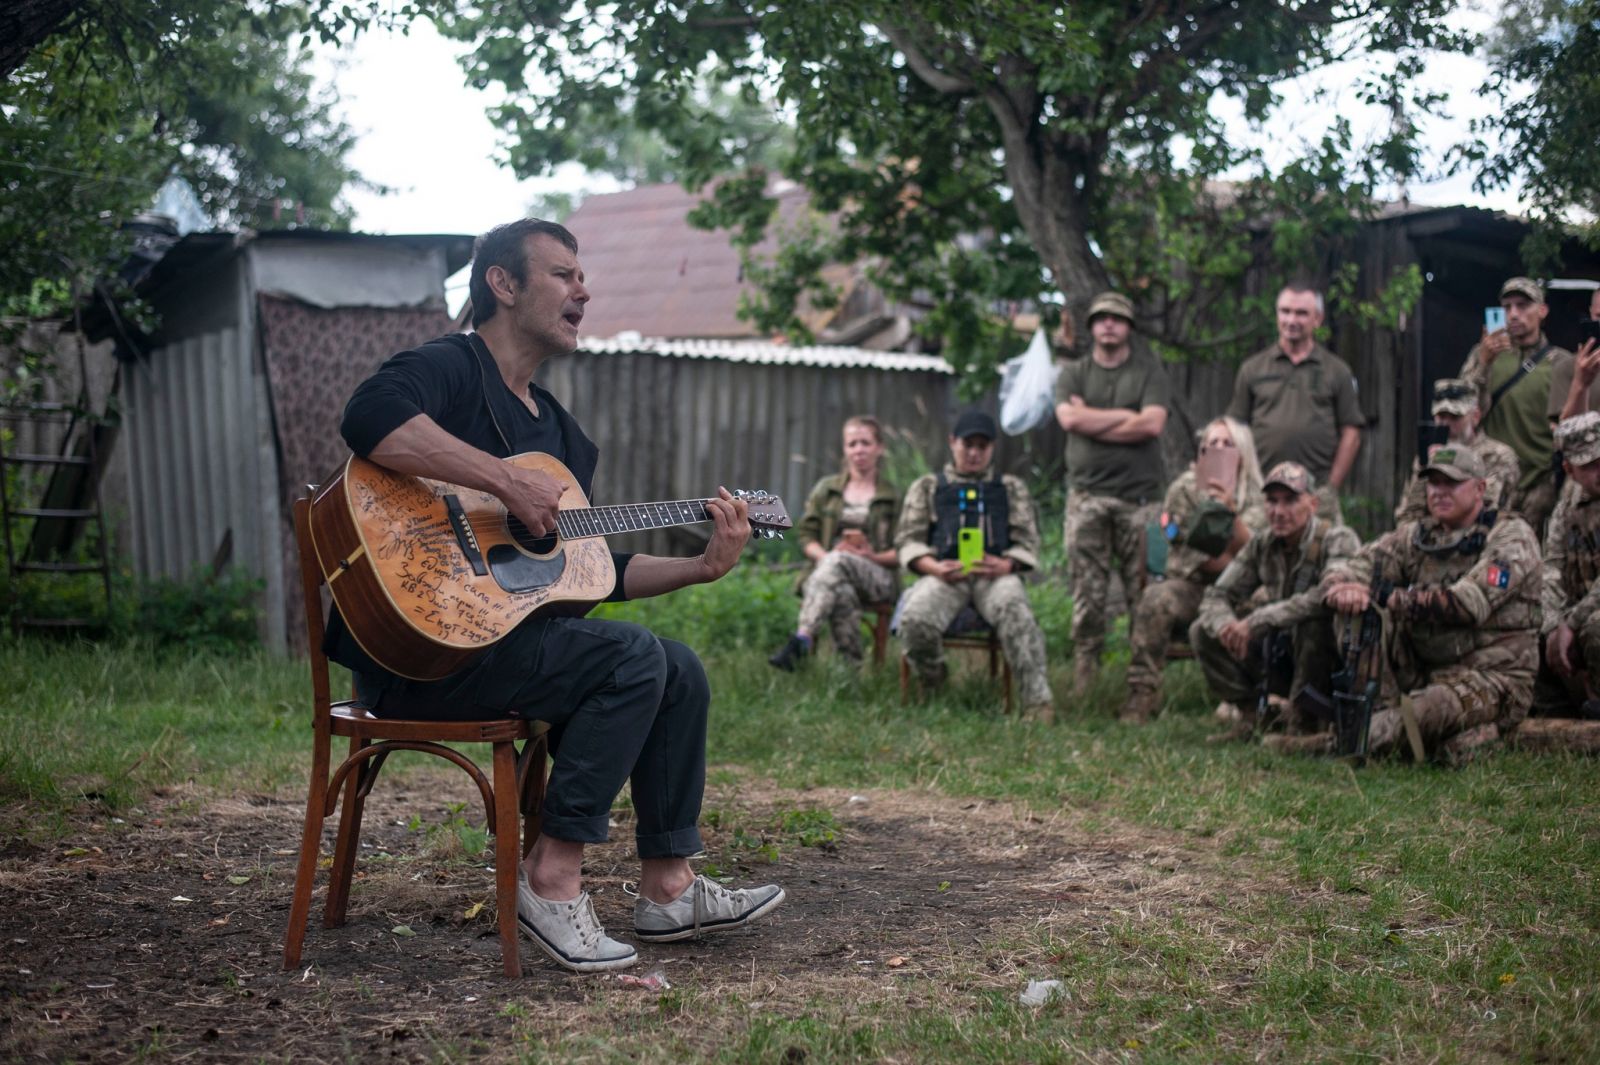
(349,840)
(905,679)
(305,875)
(506,852)
(880,638)
(1005,683)
(535,778)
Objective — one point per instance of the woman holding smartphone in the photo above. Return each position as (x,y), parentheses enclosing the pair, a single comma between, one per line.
(1211,510)
(847,533)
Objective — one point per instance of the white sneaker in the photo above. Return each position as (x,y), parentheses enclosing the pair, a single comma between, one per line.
(569,932)
(705,906)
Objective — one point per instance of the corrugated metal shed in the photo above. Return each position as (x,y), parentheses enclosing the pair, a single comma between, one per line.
(676,418)
(214,436)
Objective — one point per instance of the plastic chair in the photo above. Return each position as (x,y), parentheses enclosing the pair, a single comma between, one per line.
(372,740)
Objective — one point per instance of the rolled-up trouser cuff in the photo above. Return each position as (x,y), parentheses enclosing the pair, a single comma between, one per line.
(576,829)
(678,843)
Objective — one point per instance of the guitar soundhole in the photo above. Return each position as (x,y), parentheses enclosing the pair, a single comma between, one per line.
(534,545)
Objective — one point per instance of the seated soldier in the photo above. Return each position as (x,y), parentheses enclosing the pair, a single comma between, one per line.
(1455,408)
(993,517)
(1238,646)
(847,534)
(1207,522)
(1463,618)
(1568,685)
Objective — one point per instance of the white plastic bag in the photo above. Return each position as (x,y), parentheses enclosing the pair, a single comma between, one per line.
(1028,387)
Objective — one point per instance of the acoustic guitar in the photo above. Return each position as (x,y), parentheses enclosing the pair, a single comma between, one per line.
(425,573)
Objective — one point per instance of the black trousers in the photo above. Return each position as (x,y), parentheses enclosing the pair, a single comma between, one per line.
(621,703)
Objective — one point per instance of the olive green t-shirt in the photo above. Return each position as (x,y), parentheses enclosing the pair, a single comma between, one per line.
(1133,473)
(1296,410)
(1521,418)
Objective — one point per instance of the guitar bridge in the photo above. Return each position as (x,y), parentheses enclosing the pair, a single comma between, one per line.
(465,538)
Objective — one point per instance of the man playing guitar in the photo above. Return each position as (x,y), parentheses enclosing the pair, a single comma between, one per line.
(622,704)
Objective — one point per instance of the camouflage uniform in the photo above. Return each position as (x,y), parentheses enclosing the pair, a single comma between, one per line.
(1168,606)
(1498,460)
(1461,628)
(1570,591)
(1291,575)
(931,604)
(1101,532)
(835,589)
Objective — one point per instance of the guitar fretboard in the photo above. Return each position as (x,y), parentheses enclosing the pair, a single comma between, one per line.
(630,517)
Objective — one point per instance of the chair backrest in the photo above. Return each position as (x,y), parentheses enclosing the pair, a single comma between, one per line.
(311,584)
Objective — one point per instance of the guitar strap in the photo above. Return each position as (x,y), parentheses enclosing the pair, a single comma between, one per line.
(481,351)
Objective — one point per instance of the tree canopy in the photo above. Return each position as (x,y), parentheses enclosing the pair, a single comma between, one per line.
(978,155)
(123,94)
(1545,75)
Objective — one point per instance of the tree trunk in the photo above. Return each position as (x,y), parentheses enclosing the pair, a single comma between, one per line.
(25,24)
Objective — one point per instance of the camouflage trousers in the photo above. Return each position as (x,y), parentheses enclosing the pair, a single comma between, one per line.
(1103,534)
(1238,681)
(1558,696)
(1166,610)
(932,604)
(1448,700)
(1328,504)
(1535,504)
(835,592)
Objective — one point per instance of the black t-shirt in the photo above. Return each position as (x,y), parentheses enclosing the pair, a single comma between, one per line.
(455,382)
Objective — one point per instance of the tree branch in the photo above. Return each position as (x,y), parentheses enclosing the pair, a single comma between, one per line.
(936,79)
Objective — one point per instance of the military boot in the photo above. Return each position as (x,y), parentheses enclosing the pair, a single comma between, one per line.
(1242,730)
(1142,706)
(1311,744)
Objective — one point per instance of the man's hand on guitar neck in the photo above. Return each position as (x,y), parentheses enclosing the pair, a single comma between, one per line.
(730,532)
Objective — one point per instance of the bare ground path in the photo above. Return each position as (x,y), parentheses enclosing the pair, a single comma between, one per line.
(162,935)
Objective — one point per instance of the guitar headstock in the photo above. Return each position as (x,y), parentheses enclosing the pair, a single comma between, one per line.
(768,519)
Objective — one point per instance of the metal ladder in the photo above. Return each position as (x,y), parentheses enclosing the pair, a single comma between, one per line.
(76,474)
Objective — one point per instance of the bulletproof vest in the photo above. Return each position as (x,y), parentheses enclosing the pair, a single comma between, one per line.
(969,505)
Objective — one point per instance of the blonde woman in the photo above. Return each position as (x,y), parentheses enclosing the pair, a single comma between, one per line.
(847,533)
(1211,511)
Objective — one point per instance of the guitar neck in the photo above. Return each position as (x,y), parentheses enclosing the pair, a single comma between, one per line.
(630,517)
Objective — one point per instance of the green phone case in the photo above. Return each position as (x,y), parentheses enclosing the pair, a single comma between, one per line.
(969,548)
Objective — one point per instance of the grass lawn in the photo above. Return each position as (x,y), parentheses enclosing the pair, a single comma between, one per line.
(1393,913)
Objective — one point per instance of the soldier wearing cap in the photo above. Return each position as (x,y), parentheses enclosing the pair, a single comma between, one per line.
(1113,405)
(1513,371)
(1569,679)
(1210,513)
(1461,622)
(1455,406)
(1300,400)
(939,507)
(1238,637)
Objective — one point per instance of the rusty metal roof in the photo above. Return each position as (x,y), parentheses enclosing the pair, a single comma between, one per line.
(630,343)
(651,272)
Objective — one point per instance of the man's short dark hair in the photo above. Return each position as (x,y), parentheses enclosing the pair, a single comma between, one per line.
(505,247)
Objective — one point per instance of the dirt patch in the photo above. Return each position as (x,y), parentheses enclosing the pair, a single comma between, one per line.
(162,933)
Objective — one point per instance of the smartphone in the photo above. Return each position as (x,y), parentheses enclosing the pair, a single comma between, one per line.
(969,548)
(1220,465)
(1430,436)
(1494,319)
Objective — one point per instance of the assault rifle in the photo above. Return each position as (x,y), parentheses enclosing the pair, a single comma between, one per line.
(1277,672)
(1355,683)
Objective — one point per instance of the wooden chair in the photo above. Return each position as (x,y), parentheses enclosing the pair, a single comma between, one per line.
(372,740)
(882,614)
(974,640)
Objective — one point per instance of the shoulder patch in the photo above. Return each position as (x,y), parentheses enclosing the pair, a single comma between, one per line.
(1498,575)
